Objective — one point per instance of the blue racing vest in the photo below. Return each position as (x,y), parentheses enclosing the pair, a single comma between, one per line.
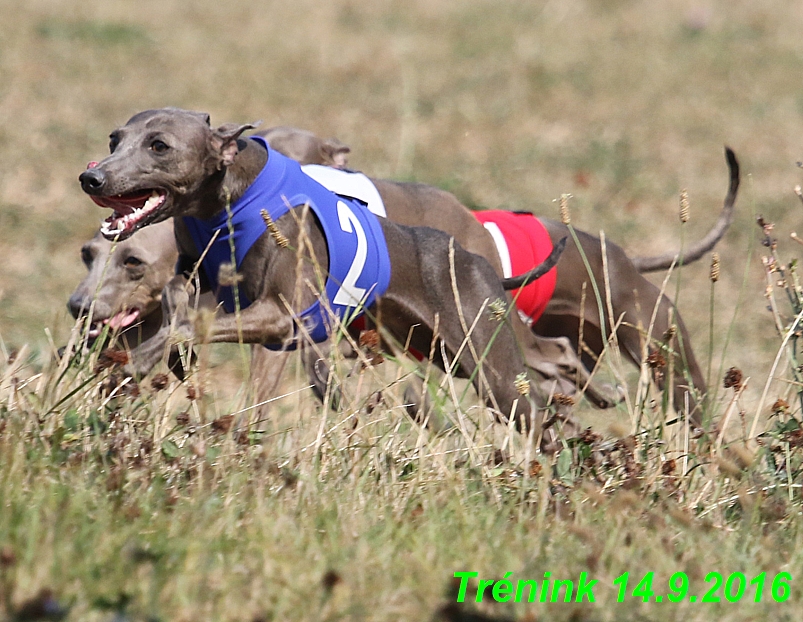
(359,264)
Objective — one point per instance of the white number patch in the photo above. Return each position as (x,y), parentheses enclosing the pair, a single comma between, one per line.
(349,293)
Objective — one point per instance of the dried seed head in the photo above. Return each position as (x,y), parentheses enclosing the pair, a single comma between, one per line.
(684,206)
(522,384)
(563,203)
(733,378)
(160,382)
(110,358)
(793,437)
(589,437)
(371,342)
(714,267)
(369,339)
(182,418)
(498,310)
(277,235)
(373,359)
(780,407)
(561,399)
(656,360)
(227,275)
(223,424)
(670,333)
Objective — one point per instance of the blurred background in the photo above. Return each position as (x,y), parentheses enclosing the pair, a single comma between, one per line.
(622,103)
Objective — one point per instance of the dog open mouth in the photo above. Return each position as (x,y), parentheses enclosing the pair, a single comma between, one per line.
(131,211)
(117,322)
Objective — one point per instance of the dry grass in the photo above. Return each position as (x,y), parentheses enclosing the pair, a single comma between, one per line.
(149,501)
(507,104)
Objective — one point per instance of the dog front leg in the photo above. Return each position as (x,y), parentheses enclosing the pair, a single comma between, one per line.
(176,327)
(264,321)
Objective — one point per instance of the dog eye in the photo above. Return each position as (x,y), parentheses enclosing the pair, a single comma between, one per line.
(113,142)
(159,147)
(86,256)
(132,262)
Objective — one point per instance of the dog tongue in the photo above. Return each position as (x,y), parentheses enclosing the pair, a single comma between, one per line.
(123,319)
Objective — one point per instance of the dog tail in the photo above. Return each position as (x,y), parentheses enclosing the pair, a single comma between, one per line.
(515,282)
(663,262)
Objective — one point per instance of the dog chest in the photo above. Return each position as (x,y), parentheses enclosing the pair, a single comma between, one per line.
(359,263)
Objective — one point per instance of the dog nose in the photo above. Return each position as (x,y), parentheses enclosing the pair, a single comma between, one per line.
(77,305)
(92,180)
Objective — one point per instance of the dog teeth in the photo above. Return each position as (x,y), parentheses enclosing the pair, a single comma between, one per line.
(153,201)
(118,224)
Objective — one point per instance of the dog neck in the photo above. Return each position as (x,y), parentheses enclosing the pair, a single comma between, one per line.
(228,185)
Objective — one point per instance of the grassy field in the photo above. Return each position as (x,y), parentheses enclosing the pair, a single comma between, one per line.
(144,504)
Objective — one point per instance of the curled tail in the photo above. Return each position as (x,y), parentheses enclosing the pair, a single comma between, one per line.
(515,282)
(663,262)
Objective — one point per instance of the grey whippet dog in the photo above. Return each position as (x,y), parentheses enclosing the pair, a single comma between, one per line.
(172,163)
(124,281)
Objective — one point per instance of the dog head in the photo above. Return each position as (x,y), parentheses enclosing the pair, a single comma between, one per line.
(305,147)
(162,163)
(125,280)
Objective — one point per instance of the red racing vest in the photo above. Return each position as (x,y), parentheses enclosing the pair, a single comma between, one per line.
(522,242)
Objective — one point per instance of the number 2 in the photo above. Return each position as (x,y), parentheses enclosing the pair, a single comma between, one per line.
(349,294)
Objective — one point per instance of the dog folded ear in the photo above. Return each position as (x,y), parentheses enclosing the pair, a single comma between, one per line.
(335,151)
(224,142)
(203,116)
